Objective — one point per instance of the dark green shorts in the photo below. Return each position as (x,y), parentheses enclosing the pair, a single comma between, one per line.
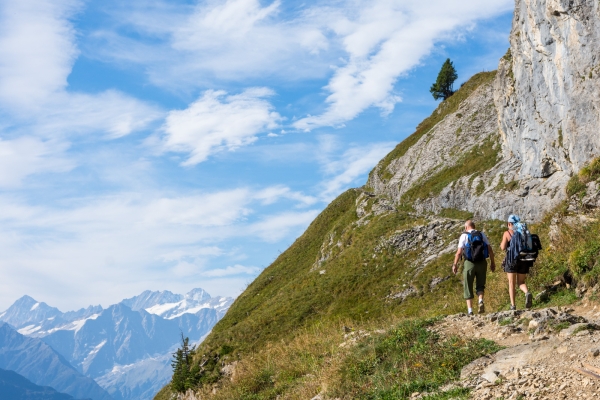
(474,273)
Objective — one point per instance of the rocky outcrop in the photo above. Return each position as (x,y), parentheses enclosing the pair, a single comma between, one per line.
(491,194)
(547,90)
(441,147)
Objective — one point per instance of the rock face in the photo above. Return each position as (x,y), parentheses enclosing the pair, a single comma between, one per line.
(473,123)
(548,88)
(543,108)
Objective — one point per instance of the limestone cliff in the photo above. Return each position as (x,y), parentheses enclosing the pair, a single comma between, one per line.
(548,88)
(543,107)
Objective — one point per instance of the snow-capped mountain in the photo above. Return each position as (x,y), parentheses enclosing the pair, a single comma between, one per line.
(27,311)
(128,346)
(191,303)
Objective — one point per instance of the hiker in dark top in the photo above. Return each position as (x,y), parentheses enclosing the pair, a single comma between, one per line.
(475,248)
(517,274)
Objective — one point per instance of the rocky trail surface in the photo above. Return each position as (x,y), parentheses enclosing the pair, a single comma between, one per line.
(550,353)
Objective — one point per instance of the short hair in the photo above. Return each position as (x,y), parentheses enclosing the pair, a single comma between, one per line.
(470,224)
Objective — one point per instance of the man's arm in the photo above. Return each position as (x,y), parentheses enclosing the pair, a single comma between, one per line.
(456,260)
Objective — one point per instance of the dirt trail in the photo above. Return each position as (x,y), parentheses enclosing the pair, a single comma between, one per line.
(543,348)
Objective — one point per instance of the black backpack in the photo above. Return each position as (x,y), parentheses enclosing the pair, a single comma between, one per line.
(475,248)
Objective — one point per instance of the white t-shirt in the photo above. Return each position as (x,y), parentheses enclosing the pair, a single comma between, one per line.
(464,237)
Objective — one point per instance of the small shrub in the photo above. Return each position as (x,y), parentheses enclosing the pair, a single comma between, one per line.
(480,187)
(500,184)
(512,185)
(560,137)
(575,186)
(453,213)
(557,327)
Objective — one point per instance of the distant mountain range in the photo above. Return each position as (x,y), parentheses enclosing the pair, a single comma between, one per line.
(44,366)
(126,347)
(16,387)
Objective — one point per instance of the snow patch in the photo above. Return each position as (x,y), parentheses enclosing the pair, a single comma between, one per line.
(189,311)
(29,329)
(36,305)
(2,315)
(97,348)
(77,325)
(160,309)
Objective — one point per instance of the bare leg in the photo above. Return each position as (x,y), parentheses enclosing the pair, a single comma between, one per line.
(521,282)
(480,294)
(512,280)
(470,303)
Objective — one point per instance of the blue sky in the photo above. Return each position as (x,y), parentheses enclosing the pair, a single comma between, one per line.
(180,144)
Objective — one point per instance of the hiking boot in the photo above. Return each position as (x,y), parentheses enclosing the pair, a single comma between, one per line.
(470,313)
(528,300)
(513,308)
(481,307)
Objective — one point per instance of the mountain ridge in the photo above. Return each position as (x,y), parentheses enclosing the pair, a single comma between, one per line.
(16,387)
(42,365)
(127,350)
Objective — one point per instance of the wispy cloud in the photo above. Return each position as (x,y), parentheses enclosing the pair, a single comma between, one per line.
(219,122)
(27,155)
(364,45)
(133,239)
(345,169)
(37,50)
(232,270)
(37,53)
(225,40)
(384,39)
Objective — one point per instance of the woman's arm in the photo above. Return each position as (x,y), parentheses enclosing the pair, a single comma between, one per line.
(492,259)
(505,240)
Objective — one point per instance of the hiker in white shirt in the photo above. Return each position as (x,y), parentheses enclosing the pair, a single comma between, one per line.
(474,270)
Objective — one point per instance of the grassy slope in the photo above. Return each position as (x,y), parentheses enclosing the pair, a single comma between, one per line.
(286,296)
(285,329)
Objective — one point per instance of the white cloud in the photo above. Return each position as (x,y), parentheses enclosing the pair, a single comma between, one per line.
(276,227)
(215,22)
(274,193)
(98,248)
(215,209)
(368,44)
(36,50)
(344,171)
(37,53)
(217,122)
(223,39)
(231,270)
(383,40)
(25,156)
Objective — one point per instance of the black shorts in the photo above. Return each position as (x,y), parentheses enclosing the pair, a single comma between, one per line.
(522,267)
